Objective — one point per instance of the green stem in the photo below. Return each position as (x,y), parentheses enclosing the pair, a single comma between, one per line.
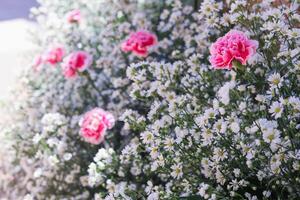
(91,81)
(196,5)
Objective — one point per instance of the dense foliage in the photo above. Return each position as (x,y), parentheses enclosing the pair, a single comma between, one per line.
(204,95)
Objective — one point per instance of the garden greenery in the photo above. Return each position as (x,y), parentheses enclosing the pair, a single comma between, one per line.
(172,99)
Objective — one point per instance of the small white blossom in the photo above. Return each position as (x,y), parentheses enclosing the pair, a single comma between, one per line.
(276,109)
(275,80)
(177,171)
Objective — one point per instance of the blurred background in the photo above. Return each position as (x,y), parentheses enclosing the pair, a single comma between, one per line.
(14,9)
(15,42)
(14,39)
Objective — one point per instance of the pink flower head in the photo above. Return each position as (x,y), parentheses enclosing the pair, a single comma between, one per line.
(235,45)
(36,63)
(139,42)
(76,61)
(94,125)
(54,55)
(74,16)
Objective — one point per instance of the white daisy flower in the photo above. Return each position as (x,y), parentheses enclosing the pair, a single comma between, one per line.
(177,171)
(276,109)
(275,80)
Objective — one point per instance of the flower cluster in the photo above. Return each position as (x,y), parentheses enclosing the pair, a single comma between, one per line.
(98,83)
(151,113)
(103,160)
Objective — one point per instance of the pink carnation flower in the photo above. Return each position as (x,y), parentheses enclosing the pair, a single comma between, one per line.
(94,125)
(76,61)
(54,55)
(235,45)
(139,42)
(73,16)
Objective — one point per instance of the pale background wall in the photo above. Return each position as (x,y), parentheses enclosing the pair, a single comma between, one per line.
(10,9)
(14,40)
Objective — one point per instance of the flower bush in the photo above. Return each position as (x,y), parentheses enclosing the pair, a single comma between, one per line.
(180,100)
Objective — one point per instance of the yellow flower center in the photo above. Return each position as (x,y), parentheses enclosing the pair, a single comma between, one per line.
(276,81)
(277,110)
